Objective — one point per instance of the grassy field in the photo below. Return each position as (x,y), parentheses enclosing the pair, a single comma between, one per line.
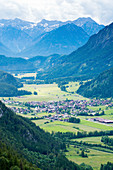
(39,122)
(92,140)
(47,92)
(96,108)
(95,157)
(26,75)
(57,126)
(96,125)
(71,127)
(73,86)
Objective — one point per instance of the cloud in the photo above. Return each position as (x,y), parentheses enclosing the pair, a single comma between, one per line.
(35,10)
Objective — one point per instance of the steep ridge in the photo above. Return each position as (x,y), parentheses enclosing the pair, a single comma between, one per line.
(88,25)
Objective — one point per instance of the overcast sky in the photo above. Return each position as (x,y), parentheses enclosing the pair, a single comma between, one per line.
(36,10)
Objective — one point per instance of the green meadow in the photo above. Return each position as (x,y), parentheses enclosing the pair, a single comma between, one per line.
(72,127)
(57,126)
(26,75)
(92,140)
(96,108)
(95,157)
(96,125)
(48,92)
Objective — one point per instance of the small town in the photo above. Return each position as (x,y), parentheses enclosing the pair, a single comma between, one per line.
(61,110)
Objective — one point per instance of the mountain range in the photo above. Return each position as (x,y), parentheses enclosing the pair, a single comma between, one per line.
(26,39)
(62,40)
(87,61)
(17,65)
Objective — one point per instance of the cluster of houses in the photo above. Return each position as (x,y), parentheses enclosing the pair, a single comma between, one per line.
(69,107)
(62,117)
(61,109)
(98,102)
(12,102)
(77,107)
(21,110)
(101,120)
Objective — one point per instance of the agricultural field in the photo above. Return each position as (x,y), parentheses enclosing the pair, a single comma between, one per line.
(57,126)
(96,108)
(97,125)
(72,127)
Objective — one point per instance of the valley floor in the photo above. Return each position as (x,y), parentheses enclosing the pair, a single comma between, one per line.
(50,93)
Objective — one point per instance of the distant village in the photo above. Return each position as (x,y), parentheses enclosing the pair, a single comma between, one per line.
(59,110)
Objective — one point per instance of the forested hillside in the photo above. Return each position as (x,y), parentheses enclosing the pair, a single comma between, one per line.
(11,160)
(102,86)
(12,64)
(9,85)
(9,79)
(37,146)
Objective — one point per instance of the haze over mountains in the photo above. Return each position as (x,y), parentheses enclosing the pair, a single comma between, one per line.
(4,49)
(22,37)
